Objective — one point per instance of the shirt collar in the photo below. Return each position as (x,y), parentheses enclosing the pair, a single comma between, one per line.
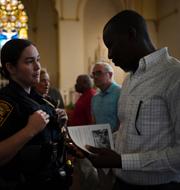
(17,88)
(148,61)
(108,90)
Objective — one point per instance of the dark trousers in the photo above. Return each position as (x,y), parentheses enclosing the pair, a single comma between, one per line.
(119,184)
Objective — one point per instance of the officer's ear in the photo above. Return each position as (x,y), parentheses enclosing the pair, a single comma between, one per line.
(10,68)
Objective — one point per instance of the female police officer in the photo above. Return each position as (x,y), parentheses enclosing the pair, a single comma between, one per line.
(36,164)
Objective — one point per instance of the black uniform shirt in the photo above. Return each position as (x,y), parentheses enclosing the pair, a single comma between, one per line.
(15,107)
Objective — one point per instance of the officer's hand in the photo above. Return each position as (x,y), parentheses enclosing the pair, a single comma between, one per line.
(104,158)
(37,122)
(62,116)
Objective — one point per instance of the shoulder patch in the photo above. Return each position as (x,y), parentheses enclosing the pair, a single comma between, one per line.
(5,110)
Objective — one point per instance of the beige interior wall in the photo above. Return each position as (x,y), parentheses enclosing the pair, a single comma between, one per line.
(71,59)
(71,50)
(149,11)
(169,25)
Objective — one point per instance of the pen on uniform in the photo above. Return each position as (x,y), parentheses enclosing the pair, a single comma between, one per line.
(137,115)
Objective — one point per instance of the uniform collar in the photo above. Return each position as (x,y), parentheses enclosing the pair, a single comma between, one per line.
(17,88)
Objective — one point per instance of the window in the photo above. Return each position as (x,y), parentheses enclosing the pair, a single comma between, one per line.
(13,20)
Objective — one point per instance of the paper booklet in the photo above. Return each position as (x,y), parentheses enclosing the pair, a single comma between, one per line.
(98,135)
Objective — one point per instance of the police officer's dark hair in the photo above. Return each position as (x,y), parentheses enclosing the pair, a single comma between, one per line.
(11,52)
(127,19)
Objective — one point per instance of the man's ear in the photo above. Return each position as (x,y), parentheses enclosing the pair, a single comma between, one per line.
(10,68)
(132,33)
(111,74)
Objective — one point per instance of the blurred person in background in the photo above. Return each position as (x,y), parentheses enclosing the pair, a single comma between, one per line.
(50,93)
(105,109)
(105,102)
(81,114)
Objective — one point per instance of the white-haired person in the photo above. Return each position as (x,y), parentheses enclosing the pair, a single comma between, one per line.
(105,107)
(105,103)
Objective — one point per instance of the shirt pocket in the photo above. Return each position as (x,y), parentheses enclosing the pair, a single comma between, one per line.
(151,116)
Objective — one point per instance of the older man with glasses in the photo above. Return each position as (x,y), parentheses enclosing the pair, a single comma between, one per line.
(105,103)
(105,108)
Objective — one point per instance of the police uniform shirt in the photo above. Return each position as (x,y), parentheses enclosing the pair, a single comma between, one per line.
(15,108)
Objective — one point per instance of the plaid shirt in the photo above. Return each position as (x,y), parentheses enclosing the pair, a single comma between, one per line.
(149,135)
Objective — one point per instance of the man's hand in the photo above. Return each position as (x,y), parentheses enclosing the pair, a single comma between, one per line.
(104,158)
(75,150)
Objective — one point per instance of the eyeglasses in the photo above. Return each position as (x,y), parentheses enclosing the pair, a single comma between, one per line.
(97,74)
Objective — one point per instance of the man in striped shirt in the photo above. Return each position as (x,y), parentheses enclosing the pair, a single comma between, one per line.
(147,147)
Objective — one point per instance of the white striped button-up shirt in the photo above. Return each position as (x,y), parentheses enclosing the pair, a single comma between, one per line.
(149,135)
